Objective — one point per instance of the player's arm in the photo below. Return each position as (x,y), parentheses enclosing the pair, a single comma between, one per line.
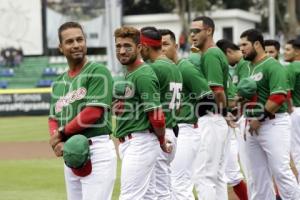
(55,138)
(278,91)
(220,98)
(152,106)
(157,120)
(87,117)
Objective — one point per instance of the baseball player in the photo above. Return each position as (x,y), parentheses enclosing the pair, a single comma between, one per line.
(232,170)
(268,129)
(210,169)
(292,54)
(170,82)
(80,104)
(141,122)
(272,48)
(195,92)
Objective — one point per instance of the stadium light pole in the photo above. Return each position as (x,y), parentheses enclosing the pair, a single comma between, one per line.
(272,18)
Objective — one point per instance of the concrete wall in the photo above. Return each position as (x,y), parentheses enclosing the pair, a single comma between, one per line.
(237,19)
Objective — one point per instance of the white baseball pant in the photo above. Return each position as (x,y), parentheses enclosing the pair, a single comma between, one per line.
(99,184)
(209,175)
(269,154)
(182,170)
(295,139)
(139,155)
(233,172)
(163,169)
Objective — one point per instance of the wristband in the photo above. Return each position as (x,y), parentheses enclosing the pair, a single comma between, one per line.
(266,114)
(224,112)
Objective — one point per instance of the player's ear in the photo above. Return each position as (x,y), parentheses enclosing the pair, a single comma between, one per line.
(176,46)
(139,47)
(60,48)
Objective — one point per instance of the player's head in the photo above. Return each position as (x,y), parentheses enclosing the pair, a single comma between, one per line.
(150,40)
(72,42)
(127,42)
(251,44)
(272,48)
(169,46)
(202,28)
(231,50)
(292,50)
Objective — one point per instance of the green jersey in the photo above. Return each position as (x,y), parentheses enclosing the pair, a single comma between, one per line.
(91,87)
(242,70)
(270,78)
(195,59)
(214,66)
(194,88)
(231,89)
(141,96)
(170,82)
(294,81)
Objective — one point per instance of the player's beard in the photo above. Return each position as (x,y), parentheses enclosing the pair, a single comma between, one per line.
(131,60)
(251,55)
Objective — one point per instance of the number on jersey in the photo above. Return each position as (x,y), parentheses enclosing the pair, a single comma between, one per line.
(175,88)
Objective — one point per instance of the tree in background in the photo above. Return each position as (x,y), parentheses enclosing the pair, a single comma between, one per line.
(287,11)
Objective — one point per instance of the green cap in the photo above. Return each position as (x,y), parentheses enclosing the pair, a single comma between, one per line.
(76,151)
(247,88)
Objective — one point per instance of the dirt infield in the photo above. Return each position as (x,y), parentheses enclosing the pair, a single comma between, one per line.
(25,150)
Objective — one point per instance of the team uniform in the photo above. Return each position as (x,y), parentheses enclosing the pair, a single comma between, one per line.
(242,70)
(139,147)
(232,168)
(269,151)
(210,180)
(195,87)
(91,87)
(294,80)
(170,82)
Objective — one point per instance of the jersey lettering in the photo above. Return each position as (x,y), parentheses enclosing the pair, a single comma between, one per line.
(176,88)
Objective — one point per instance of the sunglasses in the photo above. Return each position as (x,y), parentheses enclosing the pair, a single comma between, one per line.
(196,30)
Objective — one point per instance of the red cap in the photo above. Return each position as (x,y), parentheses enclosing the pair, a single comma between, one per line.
(83,171)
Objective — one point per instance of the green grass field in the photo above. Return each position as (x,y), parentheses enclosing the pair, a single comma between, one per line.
(33,179)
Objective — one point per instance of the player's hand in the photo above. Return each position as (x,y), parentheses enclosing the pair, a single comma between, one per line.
(118,107)
(58,149)
(167,146)
(254,125)
(55,139)
(230,119)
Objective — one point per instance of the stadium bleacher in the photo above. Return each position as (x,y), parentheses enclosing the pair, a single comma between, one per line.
(37,71)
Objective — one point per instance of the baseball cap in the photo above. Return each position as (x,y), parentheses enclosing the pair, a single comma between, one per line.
(76,154)
(247,88)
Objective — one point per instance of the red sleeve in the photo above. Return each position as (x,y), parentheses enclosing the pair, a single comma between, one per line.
(157,118)
(86,117)
(217,88)
(53,125)
(279,99)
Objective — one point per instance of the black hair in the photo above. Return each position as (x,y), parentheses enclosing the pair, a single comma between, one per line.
(153,33)
(167,32)
(207,21)
(225,44)
(254,35)
(66,26)
(274,43)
